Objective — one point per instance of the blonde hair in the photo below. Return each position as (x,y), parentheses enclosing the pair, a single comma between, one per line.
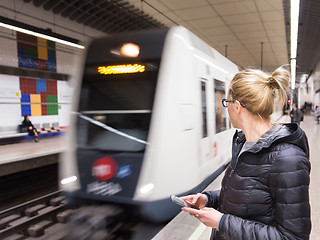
(258,90)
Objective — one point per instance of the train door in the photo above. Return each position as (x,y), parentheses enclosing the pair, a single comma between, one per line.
(205,141)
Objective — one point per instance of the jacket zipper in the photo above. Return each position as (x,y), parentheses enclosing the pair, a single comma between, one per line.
(226,186)
(229,177)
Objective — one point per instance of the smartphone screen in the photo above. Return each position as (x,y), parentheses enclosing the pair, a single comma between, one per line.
(181,202)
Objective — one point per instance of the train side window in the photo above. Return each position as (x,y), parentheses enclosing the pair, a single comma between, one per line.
(220,93)
(204,109)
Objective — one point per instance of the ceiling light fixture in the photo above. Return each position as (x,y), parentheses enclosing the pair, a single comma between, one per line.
(294,26)
(30,30)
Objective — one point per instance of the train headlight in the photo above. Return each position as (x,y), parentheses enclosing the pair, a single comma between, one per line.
(146,188)
(68,180)
(130,50)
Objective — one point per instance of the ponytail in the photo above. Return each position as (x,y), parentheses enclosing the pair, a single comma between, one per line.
(258,90)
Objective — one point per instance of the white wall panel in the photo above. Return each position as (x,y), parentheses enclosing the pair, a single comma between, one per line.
(64,99)
(64,115)
(44,119)
(9,82)
(9,90)
(64,92)
(10,115)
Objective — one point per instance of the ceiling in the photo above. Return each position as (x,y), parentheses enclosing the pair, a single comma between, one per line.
(252,33)
(235,28)
(308,52)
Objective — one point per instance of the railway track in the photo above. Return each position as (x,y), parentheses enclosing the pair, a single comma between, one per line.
(32,218)
(49,218)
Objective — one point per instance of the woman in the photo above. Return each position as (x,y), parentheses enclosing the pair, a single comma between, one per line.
(265,190)
(26,123)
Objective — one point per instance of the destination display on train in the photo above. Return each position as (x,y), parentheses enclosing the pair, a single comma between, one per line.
(121,69)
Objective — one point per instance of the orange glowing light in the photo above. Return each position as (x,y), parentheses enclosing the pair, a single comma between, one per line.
(121,69)
(130,50)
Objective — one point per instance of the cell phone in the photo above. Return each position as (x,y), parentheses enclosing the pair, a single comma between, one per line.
(182,203)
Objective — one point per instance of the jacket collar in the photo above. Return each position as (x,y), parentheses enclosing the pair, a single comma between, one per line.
(290,133)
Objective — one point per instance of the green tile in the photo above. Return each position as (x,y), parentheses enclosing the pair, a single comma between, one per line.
(51,44)
(52,109)
(29,52)
(52,98)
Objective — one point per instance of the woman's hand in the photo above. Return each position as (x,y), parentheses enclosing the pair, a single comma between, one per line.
(208,216)
(30,128)
(199,199)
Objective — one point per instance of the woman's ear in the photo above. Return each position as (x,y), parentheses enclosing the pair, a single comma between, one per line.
(237,106)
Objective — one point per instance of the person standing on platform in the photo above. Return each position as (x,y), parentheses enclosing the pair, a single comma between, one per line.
(265,191)
(295,114)
(26,123)
(317,112)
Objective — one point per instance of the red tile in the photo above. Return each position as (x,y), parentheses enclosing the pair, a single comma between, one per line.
(44,109)
(41,64)
(26,38)
(27,45)
(43,96)
(51,87)
(28,85)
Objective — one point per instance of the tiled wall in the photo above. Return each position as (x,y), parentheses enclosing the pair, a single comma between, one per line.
(36,53)
(38,97)
(47,101)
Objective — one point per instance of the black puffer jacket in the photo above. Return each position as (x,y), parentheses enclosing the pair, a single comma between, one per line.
(265,190)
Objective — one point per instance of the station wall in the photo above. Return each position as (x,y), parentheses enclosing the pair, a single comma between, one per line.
(315,78)
(45,100)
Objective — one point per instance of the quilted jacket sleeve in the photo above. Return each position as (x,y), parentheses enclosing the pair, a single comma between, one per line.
(213,198)
(289,188)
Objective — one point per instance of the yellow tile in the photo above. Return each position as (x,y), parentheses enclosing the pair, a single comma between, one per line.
(35,98)
(42,49)
(36,110)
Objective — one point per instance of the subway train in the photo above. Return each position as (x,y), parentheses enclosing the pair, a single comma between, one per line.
(147,121)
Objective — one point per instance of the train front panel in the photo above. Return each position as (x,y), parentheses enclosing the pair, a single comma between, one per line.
(114,113)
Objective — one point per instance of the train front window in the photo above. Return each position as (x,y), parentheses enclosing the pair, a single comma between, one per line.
(121,101)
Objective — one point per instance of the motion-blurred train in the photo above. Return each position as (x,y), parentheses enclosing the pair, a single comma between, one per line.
(148,121)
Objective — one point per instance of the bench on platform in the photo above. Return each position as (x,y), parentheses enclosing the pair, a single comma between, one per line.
(11,134)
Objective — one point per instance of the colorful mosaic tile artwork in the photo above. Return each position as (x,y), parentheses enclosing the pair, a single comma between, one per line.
(38,97)
(36,53)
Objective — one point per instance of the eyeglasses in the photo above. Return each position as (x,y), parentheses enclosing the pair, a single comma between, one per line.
(226,101)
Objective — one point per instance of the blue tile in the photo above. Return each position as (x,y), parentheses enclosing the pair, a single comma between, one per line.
(27,62)
(25,109)
(25,98)
(21,51)
(41,85)
(52,64)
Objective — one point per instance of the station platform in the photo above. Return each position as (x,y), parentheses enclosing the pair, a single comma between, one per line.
(186,227)
(27,155)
